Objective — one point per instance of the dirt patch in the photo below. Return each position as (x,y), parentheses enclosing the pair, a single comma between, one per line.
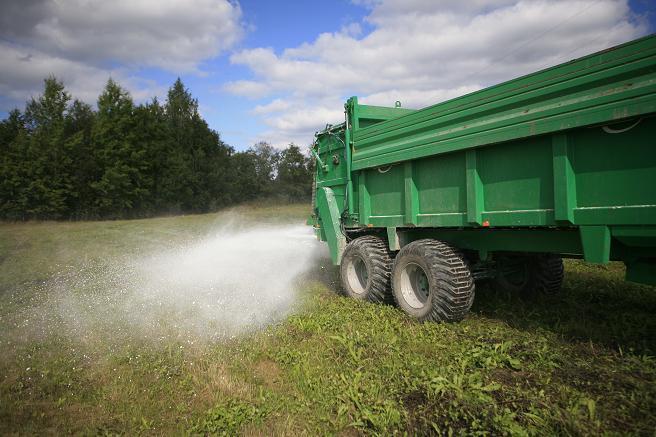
(414,400)
(275,426)
(268,372)
(509,377)
(216,382)
(420,411)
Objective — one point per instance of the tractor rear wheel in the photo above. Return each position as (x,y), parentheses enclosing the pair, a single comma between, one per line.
(432,281)
(365,270)
(530,275)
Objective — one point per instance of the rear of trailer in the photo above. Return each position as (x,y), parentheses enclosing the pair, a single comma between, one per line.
(500,184)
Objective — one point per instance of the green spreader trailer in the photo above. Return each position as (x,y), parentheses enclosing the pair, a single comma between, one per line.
(500,184)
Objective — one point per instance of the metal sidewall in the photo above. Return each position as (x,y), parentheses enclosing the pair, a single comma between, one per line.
(357,274)
(400,266)
(351,256)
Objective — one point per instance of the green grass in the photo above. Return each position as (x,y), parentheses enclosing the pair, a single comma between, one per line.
(580,363)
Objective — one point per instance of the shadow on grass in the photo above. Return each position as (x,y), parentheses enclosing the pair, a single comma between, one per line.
(595,305)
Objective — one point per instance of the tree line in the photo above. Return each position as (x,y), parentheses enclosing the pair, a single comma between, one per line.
(62,159)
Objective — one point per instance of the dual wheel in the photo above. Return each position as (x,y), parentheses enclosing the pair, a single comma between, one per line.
(529,275)
(429,280)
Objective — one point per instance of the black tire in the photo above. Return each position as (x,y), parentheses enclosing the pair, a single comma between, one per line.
(513,274)
(365,270)
(548,274)
(529,275)
(432,281)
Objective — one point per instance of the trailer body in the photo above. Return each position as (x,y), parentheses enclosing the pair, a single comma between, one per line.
(560,161)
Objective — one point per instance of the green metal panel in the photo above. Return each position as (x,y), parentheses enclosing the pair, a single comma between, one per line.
(517,175)
(386,191)
(410,194)
(444,191)
(596,243)
(371,115)
(475,188)
(564,179)
(602,87)
(332,169)
(606,165)
(563,160)
(330,224)
(515,240)
(442,195)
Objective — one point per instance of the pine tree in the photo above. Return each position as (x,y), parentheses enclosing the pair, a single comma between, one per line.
(13,171)
(178,187)
(198,159)
(49,190)
(79,123)
(121,186)
(61,159)
(151,133)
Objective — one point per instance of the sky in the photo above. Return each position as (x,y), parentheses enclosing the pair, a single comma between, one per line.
(278,71)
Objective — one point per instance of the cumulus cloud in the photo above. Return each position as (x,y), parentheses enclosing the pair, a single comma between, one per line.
(23,71)
(248,88)
(170,34)
(83,42)
(422,52)
(273,106)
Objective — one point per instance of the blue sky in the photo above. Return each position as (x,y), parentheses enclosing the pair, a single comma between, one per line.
(268,25)
(278,71)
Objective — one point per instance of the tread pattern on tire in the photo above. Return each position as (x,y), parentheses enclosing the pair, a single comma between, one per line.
(545,276)
(454,295)
(374,249)
(548,274)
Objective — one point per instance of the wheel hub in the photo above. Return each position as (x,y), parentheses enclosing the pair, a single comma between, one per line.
(414,285)
(357,275)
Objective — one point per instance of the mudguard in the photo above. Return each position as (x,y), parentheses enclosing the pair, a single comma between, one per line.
(330,222)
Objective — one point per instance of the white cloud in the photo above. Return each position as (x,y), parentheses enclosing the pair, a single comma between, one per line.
(352,29)
(170,34)
(22,72)
(248,88)
(290,123)
(273,106)
(83,42)
(422,52)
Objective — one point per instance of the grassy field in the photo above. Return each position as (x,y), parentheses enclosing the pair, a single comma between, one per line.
(580,363)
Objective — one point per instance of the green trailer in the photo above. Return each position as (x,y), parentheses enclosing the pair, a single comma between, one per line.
(499,185)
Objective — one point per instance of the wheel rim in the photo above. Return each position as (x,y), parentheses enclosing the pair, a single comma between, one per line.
(357,275)
(514,272)
(414,286)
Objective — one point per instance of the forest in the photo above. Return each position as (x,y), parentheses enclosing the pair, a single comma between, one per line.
(62,159)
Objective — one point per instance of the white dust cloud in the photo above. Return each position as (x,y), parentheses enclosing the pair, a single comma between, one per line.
(232,282)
